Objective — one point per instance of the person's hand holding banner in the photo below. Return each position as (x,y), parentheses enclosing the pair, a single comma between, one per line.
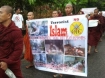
(98,22)
(9,73)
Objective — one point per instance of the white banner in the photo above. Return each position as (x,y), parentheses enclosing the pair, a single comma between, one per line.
(103,13)
(93,23)
(60,44)
(88,10)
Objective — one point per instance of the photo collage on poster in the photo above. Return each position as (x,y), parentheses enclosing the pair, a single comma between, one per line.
(63,55)
(38,28)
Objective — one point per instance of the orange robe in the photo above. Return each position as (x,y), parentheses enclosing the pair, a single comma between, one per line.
(28,52)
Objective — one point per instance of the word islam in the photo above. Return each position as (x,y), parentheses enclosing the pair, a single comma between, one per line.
(56,31)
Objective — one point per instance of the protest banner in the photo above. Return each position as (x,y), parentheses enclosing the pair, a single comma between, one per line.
(93,23)
(103,13)
(59,44)
(88,10)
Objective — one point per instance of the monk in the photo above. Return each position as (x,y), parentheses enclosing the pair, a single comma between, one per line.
(11,43)
(95,33)
(68,9)
(28,52)
(55,13)
(103,25)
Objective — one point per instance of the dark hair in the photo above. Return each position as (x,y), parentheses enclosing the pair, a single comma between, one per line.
(17,8)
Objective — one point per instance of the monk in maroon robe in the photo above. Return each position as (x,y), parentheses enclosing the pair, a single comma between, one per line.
(103,24)
(11,44)
(68,11)
(55,13)
(95,33)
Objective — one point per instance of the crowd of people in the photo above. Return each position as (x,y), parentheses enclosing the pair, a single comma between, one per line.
(13,44)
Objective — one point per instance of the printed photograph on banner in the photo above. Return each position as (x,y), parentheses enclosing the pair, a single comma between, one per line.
(59,46)
(74,64)
(38,28)
(54,46)
(55,61)
(74,47)
(37,46)
(40,60)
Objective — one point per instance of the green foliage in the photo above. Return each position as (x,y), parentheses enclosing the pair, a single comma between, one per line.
(31,1)
(7,2)
(53,4)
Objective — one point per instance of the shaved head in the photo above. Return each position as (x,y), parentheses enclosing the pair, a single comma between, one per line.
(96,11)
(68,9)
(30,15)
(5,15)
(69,5)
(55,13)
(8,9)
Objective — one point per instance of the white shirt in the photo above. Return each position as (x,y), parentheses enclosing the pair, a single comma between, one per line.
(17,18)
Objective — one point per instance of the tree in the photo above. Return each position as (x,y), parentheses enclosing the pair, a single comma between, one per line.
(44,6)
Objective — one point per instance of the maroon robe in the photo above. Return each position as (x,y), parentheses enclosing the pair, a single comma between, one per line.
(11,46)
(95,33)
(103,24)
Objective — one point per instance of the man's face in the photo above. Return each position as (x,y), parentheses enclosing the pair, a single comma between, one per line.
(68,9)
(55,14)
(18,11)
(30,16)
(96,12)
(3,15)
